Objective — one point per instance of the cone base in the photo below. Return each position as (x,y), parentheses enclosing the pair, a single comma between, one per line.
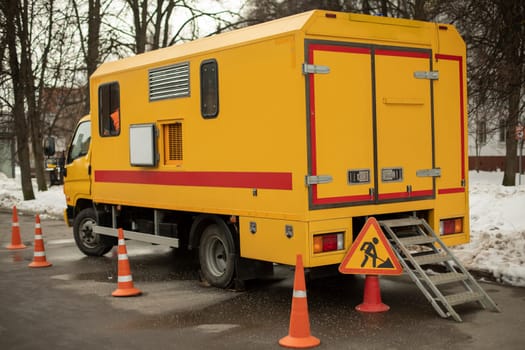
(299,343)
(366,307)
(16,246)
(40,264)
(128,292)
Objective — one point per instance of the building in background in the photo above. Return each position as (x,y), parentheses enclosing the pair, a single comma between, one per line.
(62,108)
(487,146)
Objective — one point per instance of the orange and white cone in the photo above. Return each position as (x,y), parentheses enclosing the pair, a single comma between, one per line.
(299,336)
(16,241)
(39,255)
(125,286)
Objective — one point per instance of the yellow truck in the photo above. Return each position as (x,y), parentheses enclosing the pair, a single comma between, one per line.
(274,140)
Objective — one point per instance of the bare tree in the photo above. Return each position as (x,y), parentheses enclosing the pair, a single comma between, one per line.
(263,10)
(141,20)
(162,23)
(33,114)
(41,57)
(495,34)
(90,41)
(12,12)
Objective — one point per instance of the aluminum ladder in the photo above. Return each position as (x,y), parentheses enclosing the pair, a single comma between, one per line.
(417,245)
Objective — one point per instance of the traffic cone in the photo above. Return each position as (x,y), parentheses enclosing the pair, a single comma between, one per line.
(299,336)
(372,297)
(16,242)
(125,286)
(39,255)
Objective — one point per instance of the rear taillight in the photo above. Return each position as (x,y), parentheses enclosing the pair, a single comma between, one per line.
(329,242)
(451,226)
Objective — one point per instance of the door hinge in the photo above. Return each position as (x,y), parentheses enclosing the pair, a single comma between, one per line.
(315,69)
(429,172)
(318,179)
(431,75)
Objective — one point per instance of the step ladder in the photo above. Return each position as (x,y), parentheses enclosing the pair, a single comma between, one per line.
(417,245)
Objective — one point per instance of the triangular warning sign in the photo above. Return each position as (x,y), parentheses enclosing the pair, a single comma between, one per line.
(371,253)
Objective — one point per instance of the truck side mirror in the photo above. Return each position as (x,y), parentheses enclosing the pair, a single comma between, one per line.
(49,146)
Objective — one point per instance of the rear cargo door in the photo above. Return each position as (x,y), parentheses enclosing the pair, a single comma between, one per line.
(370,136)
(404,124)
(341,150)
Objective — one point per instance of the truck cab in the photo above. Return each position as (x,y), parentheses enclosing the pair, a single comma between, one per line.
(77,189)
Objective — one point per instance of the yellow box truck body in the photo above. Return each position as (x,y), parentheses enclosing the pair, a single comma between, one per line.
(282,137)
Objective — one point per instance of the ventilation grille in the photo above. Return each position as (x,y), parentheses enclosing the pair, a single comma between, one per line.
(169,82)
(174,142)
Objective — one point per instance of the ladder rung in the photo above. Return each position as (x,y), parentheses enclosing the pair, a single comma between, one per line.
(462,298)
(401,222)
(431,258)
(414,240)
(411,231)
(448,277)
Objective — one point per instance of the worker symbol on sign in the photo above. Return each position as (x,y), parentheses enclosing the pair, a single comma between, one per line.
(369,249)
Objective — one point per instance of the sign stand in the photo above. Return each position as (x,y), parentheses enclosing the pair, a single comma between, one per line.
(372,296)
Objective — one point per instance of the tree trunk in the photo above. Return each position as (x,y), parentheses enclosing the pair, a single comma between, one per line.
(140,21)
(384,8)
(27,75)
(511,154)
(93,42)
(419,10)
(11,11)
(513,63)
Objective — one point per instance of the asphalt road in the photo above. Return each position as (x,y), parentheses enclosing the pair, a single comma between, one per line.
(69,305)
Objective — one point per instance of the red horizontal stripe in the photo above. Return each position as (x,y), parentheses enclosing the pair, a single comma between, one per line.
(451,190)
(401,195)
(274,181)
(413,54)
(440,56)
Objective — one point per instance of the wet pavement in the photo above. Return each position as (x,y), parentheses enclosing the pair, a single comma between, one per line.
(69,305)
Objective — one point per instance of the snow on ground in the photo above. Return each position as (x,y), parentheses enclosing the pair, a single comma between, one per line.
(49,203)
(497,222)
(497,228)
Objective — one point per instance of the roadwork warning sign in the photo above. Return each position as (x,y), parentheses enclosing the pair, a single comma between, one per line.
(371,253)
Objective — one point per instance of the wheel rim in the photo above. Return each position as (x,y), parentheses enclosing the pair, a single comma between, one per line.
(88,238)
(216,256)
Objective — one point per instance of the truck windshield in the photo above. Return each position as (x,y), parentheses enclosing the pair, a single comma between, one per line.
(80,145)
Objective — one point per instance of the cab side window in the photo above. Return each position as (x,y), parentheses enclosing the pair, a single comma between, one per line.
(80,144)
(109,109)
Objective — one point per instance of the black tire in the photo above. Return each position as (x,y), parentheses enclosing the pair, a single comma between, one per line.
(217,256)
(88,242)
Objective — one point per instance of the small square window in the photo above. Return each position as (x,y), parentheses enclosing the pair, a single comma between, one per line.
(209,89)
(109,109)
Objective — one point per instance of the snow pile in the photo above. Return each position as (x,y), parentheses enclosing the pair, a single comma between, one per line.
(49,203)
(497,222)
(497,229)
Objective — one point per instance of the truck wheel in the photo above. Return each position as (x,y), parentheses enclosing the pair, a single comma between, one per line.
(88,242)
(217,256)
